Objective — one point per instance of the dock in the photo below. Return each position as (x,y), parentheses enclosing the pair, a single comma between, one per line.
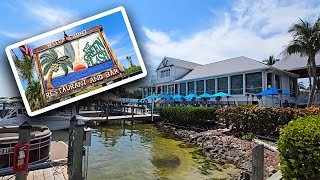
(136,117)
(53,173)
(54,169)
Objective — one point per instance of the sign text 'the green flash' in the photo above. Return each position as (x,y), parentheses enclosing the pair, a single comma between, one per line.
(95,53)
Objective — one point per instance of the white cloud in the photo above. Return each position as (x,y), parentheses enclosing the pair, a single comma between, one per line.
(253,29)
(49,15)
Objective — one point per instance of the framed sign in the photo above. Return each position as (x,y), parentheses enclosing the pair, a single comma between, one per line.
(76,61)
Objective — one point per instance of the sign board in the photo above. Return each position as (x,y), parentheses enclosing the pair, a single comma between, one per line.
(75,63)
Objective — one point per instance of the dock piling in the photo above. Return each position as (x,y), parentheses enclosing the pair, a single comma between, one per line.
(257,162)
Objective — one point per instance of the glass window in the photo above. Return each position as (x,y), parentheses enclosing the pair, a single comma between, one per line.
(254,82)
(210,86)
(164,89)
(176,89)
(191,87)
(200,87)
(293,86)
(153,90)
(170,90)
(237,84)
(277,79)
(183,89)
(223,84)
(145,91)
(149,91)
(165,73)
(269,80)
(159,90)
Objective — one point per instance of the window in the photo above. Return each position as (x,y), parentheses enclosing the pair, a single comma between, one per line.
(159,90)
(293,86)
(170,89)
(149,91)
(183,89)
(145,91)
(210,86)
(165,73)
(164,89)
(223,84)
(278,81)
(269,80)
(254,82)
(191,87)
(200,87)
(176,89)
(237,84)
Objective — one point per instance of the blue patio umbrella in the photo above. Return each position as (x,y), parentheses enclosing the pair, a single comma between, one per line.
(221,94)
(205,95)
(284,92)
(178,97)
(165,96)
(191,96)
(270,91)
(153,96)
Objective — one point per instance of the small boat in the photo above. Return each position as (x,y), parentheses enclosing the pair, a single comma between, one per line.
(39,145)
(15,114)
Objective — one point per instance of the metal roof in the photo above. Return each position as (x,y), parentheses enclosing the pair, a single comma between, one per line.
(294,62)
(168,61)
(228,66)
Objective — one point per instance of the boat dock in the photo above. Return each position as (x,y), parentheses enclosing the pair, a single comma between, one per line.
(55,169)
(136,117)
(53,173)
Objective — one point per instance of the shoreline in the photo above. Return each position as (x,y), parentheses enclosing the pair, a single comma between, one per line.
(223,148)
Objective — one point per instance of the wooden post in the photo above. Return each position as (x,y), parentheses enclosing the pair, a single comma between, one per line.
(132,113)
(73,122)
(78,150)
(107,112)
(257,162)
(24,138)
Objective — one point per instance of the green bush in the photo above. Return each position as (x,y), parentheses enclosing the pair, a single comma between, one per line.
(194,116)
(299,147)
(260,120)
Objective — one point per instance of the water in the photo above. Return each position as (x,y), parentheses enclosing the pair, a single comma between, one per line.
(144,152)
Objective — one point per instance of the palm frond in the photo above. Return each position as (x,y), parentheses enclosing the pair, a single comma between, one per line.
(46,68)
(64,68)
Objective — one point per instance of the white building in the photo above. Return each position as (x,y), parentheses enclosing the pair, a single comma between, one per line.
(241,77)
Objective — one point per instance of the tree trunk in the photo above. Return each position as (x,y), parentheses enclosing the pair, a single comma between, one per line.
(312,62)
(50,79)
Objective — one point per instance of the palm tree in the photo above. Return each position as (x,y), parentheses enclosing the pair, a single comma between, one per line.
(25,67)
(34,95)
(306,41)
(271,60)
(52,63)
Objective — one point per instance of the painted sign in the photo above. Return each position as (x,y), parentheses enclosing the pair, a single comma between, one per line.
(76,62)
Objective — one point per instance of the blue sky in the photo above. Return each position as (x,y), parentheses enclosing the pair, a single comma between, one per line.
(201,31)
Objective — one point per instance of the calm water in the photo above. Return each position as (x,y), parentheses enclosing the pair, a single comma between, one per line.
(144,152)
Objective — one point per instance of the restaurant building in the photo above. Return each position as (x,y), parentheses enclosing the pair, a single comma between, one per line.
(241,77)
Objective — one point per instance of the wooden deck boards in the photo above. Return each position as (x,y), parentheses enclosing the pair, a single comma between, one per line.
(53,173)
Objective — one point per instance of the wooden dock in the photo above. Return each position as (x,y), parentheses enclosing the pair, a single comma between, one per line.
(55,170)
(53,173)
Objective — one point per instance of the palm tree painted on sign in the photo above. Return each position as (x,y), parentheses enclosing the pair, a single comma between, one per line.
(52,63)
(306,42)
(271,60)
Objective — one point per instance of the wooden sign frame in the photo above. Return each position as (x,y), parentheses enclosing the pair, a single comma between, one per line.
(105,76)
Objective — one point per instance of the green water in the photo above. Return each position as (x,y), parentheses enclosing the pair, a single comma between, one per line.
(144,152)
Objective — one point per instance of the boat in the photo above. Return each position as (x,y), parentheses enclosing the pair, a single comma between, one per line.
(40,140)
(15,114)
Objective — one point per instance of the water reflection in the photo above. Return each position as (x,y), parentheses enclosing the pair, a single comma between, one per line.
(143,152)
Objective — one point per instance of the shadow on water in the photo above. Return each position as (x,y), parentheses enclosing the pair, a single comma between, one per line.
(143,151)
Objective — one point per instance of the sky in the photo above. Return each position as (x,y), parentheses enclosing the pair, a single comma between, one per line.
(200,31)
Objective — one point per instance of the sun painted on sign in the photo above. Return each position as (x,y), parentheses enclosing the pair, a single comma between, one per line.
(76,62)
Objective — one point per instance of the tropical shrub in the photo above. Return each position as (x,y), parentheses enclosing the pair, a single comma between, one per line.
(299,147)
(261,120)
(188,116)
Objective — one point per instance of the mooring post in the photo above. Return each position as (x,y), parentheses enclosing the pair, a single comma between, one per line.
(78,150)
(257,162)
(73,122)
(24,138)
(132,113)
